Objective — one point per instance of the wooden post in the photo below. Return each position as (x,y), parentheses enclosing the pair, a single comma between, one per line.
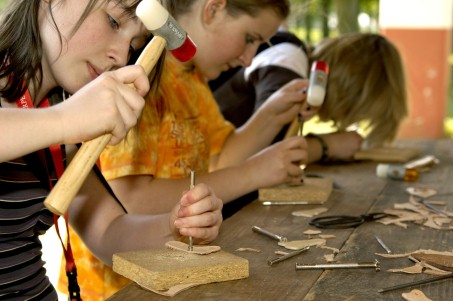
(422,31)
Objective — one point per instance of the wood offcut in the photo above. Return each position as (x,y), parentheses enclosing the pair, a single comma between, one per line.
(160,270)
(316,190)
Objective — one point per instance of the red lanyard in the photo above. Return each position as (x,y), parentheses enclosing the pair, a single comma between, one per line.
(57,158)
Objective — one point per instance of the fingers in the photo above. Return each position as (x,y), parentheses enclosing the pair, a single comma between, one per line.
(135,76)
(128,99)
(296,85)
(295,157)
(200,214)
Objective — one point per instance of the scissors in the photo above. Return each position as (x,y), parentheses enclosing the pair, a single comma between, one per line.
(345,221)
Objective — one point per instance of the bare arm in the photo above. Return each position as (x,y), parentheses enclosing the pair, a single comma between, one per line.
(27,130)
(106,229)
(274,165)
(259,131)
(340,146)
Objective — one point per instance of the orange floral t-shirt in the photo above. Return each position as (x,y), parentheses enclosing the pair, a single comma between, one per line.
(180,128)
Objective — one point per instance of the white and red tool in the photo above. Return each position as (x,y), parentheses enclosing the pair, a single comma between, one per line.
(167,33)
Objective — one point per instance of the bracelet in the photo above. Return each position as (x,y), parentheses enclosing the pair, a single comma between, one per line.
(324,147)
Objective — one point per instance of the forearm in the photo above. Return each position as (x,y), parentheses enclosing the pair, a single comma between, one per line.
(144,194)
(133,232)
(333,146)
(255,135)
(106,229)
(315,150)
(25,131)
(232,182)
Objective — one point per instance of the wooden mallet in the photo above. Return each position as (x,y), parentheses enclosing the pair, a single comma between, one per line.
(167,34)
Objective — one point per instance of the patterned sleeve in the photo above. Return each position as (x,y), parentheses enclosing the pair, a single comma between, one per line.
(217,126)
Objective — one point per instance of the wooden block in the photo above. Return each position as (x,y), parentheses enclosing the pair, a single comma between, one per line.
(316,190)
(387,154)
(162,269)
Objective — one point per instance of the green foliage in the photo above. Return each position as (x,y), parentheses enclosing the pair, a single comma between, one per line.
(329,17)
(3,3)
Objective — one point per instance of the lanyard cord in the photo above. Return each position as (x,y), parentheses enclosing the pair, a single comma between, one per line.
(57,158)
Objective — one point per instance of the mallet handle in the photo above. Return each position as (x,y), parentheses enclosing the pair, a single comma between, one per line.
(61,196)
(293,128)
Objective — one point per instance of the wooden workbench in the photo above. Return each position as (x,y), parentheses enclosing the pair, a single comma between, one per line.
(357,190)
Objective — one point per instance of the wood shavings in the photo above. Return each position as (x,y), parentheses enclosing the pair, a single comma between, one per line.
(443,262)
(309,213)
(299,244)
(435,223)
(248,250)
(326,236)
(415,295)
(200,250)
(438,203)
(329,257)
(334,250)
(424,251)
(417,213)
(415,269)
(436,272)
(423,192)
(312,232)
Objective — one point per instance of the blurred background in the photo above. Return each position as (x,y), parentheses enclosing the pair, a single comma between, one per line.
(421,30)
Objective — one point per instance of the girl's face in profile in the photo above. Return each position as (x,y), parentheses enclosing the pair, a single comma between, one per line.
(103,42)
(226,42)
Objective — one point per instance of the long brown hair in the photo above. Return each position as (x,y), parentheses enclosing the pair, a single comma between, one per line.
(366,84)
(21,47)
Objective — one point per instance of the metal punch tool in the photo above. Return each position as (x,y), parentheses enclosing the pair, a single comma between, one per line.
(289,255)
(192,185)
(376,265)
(268,234)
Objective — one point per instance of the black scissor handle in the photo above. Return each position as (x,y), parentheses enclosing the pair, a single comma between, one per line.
(374,216)
(344,221)
(337,221)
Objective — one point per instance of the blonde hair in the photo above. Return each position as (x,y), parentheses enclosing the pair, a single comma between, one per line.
(366,84)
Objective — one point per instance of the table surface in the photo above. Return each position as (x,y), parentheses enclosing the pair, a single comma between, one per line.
(357,191)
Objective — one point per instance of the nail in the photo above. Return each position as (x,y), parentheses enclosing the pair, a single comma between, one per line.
(383,245)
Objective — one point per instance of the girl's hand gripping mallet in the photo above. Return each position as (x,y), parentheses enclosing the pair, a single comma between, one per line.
(167,34)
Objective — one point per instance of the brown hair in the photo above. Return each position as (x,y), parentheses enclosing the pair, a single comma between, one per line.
(234,7)
(19,26)
(366,84)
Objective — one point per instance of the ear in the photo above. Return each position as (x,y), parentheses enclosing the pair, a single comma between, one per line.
(212,8)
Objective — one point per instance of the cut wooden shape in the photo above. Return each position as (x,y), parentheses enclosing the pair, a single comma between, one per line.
(300,244)
(200,250)
(415,295)
(444,262)
(313,190)
(387,154)
(161,269)
(423,192)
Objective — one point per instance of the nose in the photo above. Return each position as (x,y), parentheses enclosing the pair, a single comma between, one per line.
(247,56)
(119,53)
